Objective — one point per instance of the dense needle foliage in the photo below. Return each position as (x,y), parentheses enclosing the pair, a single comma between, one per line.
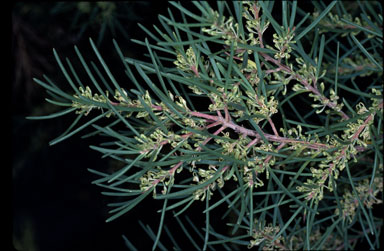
(268,116)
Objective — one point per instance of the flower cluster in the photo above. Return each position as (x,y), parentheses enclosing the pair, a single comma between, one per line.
(283,44)
(357,133)
(202,176)
(223,100)
(234,148)
(87,94)
(343,24)
(366,194)
(153,177)
(355,63)
(265,236)
(255,28)
(226,28)
(261,107)
(189,62)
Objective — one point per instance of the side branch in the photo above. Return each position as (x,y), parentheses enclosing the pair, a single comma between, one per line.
(304,82)
(248,132)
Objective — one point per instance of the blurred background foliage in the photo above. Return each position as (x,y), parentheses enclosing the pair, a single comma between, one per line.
(55,206)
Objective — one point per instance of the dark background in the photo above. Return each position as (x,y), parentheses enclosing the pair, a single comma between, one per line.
(54,204)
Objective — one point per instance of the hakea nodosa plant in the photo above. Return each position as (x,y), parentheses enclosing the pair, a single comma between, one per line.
(237,100)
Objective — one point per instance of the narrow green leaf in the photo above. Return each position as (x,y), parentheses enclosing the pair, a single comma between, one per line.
(163,49)
(125,169)
(251,203)
(98,87)
(242,202)
(366,53)
(316,21)
(362,28)
(187,234)
(171,34)
(65,73)
(111,77)
(301,22)
(187,12)
(152,54)
(315,45)
(229,69)
(357,92)
(53,89)
(287,192)
(361,205)
(320,58)
(131,205)
(169,233)
(309,226)
(74,73)
(119,194)
(57,103)
(337,68)
(270,18)
(293,14)
(235,240)
(222,200)
(298,115)
(287,223)
(67,135)
(204,11)
(157,91)
(101,77)
(256,48)
(298,47)
(284,11)
(184,208)
(238,6)
(264,209)
(149,32)
(53,115)
(372,247)
(206,238)
(152,235)
(129,244)
(161,220)
(179,203)
(319,244)
(259,131)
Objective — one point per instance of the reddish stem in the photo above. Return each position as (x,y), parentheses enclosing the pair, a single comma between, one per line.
(273,127)
(194,69)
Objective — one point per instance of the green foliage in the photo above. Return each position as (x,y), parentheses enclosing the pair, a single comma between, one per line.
(103,16)
(289,140)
